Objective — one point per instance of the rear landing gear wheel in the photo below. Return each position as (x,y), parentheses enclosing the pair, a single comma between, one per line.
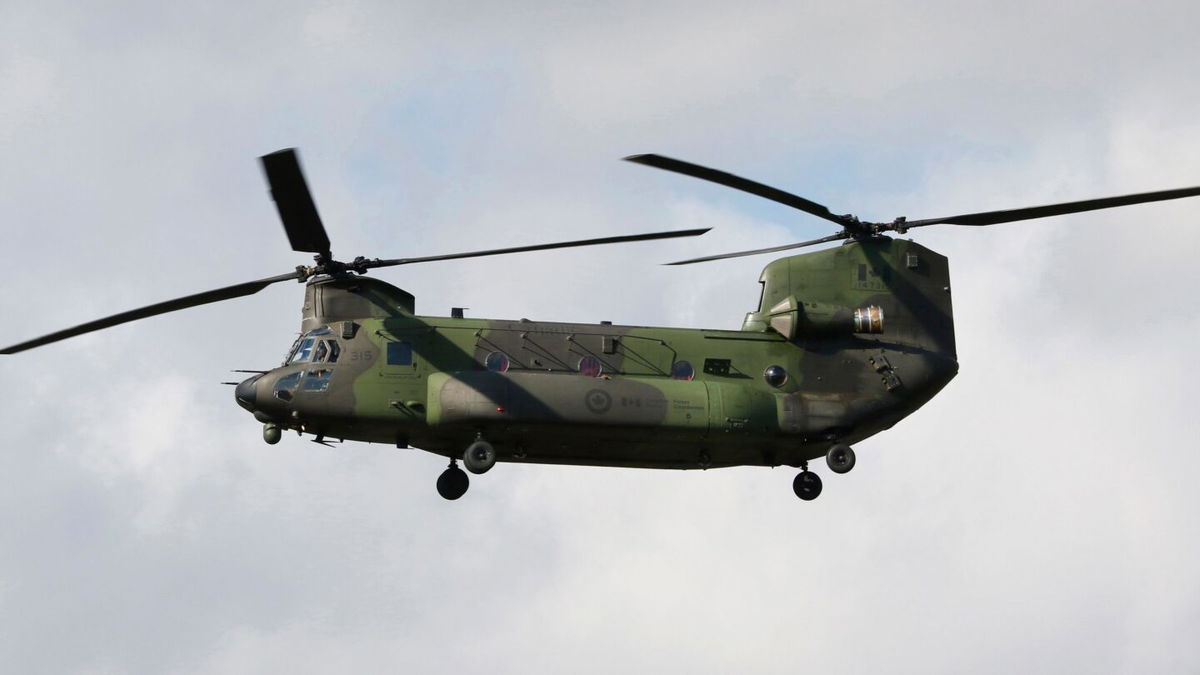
(453,482)
(807,485)
(840,458)
(479,457)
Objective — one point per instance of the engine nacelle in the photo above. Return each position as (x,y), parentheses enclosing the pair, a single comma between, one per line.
(791,319)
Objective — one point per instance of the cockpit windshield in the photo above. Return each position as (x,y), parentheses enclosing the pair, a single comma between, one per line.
(317,351)
(303,351)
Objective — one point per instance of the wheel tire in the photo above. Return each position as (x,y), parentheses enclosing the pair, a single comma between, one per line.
(272,433)
(807,485)
(840,458)
(479,457)
(453,483)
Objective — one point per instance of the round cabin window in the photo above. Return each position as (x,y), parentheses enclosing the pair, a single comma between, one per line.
(682,370)
(775,376)
(497,362)
(590,366)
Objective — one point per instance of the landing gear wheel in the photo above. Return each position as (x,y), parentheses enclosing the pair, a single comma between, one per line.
(272,433)
(840,458)
(479,457)
(807,485)
(453,482)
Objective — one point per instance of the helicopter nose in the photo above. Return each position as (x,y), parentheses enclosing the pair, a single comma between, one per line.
(246,393)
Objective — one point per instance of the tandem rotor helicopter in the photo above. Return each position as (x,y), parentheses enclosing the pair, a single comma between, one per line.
(846,342)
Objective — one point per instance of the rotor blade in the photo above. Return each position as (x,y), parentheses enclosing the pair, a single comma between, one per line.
(738,183)
(773,249)
(540,247)
(295,202)
(227,293)
(1012,215)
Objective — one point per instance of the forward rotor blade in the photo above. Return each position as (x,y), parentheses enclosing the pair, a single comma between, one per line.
(1028,213)
(295,202)
(227,293)
(739,183)
(540,247)
(773,249)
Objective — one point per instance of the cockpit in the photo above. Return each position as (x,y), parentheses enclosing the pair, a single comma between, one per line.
(315,347)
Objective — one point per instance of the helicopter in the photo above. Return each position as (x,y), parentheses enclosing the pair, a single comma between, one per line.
(845,342)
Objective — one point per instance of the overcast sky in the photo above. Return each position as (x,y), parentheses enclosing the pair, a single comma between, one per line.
(1041,514)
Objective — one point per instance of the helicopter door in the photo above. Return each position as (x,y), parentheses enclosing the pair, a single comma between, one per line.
(400,370)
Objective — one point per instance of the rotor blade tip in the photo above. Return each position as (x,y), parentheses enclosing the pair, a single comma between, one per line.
(281,151)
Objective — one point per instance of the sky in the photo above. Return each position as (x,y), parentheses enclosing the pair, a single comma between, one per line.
(1039,514)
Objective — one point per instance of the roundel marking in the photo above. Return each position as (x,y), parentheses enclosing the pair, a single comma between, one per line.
(597,401)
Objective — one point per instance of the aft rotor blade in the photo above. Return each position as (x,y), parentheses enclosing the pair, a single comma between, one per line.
(227,293)
(540,247)
(739,183)
(1028,213)
(773,249)
(294,202)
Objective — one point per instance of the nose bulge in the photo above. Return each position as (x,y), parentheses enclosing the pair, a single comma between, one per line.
(246,393)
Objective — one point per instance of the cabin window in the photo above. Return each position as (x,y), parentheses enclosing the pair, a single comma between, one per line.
(322,351)
(334,351)
(683,370)
(775,376)
(590,366)
(496,362)
(399,354)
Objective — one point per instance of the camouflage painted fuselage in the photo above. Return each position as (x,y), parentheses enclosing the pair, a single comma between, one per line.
(399,378)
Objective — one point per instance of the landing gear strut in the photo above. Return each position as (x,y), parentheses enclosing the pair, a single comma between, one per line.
(453,482)
(807,485)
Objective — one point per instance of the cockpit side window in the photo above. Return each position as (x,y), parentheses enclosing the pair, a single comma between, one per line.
(322,351)
(285,386)
(334,351)
(316,380)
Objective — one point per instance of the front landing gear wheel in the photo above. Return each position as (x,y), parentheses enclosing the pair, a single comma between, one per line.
(453,482)
(807,485)
(479,457)
(840,458)
(272,433)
